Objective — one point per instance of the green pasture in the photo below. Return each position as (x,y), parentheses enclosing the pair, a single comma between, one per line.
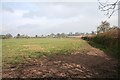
(17,50)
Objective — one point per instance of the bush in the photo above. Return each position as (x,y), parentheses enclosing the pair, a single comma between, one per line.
(110,39)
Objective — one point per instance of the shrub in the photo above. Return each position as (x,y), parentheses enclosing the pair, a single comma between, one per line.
(110,39)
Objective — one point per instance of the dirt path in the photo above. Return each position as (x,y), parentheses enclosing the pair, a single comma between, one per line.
(93,64)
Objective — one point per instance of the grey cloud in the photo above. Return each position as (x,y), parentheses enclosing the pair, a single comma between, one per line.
(24,29)
(60,10)
(57,17)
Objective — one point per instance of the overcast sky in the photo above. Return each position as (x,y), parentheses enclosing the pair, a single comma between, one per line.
(39,18)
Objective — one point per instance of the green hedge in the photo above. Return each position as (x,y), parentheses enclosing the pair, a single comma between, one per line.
(110,39)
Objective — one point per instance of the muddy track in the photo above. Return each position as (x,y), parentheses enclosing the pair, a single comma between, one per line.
(93,64)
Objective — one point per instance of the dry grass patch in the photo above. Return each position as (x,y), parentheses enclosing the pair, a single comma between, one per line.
(34,47)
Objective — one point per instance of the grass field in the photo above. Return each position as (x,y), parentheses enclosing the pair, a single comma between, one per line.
(17,50)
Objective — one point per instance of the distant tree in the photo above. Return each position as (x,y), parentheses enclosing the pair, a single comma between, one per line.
(42,35)
(77,34)
(92,32)
(36,36)
(87,34)
(52,35)
(63,35)
(114,27)
(82,33)
(48,36)
(2,37)
(104,27)
(9,35)
(70,34)
(58,35)
(18,36)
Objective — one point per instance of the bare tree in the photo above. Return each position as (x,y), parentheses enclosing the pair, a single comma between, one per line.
(104,27)
(109,8)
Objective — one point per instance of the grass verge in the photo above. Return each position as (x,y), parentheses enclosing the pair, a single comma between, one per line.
(111,52)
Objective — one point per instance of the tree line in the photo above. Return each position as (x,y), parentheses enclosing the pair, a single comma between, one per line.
(107,39)
(103,27)
(52,35)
